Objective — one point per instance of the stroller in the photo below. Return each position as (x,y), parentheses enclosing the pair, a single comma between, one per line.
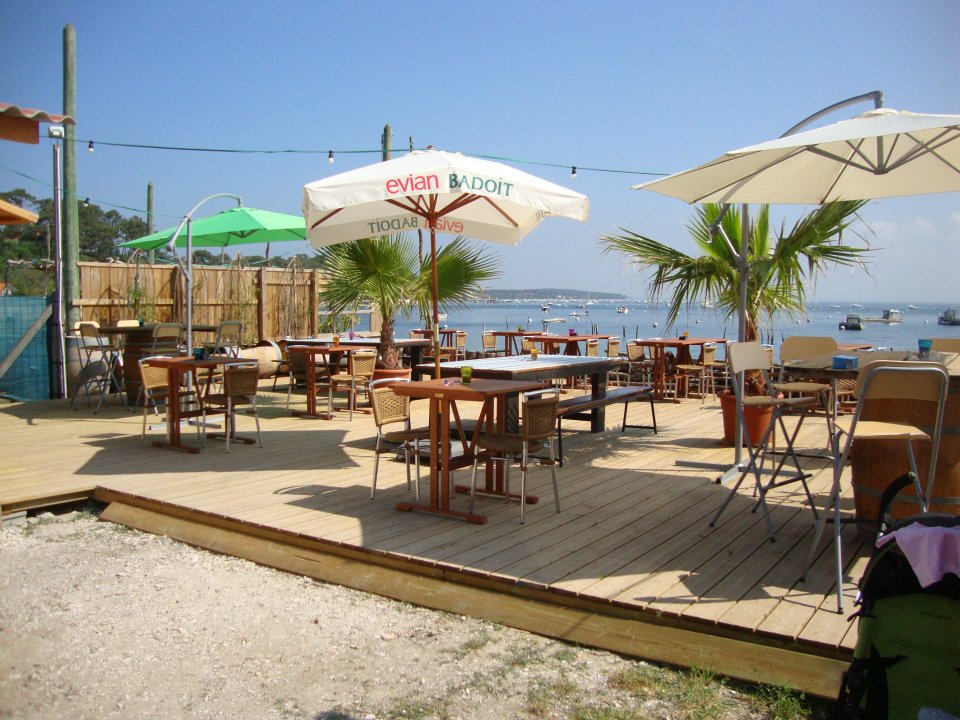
(907,658)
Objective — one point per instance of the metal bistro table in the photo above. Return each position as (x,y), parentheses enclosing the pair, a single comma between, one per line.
(545,367)
(443,396)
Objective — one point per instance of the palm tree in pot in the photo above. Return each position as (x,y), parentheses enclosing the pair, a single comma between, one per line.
(386,272)
(780,266)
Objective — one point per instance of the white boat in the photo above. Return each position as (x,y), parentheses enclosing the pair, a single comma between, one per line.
(912,307)
(890,316)
(623,309)
(545,308)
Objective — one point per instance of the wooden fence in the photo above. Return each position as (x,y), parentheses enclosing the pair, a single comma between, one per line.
(272,303)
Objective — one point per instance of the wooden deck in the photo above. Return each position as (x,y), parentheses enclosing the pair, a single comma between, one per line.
(629,565)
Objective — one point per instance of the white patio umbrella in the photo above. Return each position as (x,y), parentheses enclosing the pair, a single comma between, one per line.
(437,191)
(881,153)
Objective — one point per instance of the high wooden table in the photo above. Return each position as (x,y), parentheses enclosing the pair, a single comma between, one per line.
(443,395)
(177,368)
(412,345)
(311,352)
(658,349)
(571,343)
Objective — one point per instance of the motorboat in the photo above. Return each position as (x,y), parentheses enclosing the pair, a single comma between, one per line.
(891,315)
(949,317)
(623,309)
(853,322)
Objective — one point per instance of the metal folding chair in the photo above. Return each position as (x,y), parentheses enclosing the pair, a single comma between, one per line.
(752,357)
(880,380)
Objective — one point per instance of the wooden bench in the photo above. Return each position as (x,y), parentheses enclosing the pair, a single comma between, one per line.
(579,407)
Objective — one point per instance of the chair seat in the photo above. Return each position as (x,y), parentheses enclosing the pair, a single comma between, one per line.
(879,430)
(767,401)
(506,444)
(221,399)
(400,436)
(801,387)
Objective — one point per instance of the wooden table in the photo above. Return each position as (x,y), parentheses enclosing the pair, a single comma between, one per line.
(571,343)
(545,367)
(137,343)
(413,346)
(511,340)
(658,349)
(177,367)
(311,352)
(443,395)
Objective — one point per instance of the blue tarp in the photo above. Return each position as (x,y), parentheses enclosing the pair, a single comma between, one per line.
(29,377)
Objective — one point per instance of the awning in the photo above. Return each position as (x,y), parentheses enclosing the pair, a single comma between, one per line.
(23,124)
(11,214)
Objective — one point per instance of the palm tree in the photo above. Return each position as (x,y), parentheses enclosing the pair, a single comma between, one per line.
(385,272)
(779,268)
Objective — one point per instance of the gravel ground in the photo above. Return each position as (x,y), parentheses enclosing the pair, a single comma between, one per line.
(100,621)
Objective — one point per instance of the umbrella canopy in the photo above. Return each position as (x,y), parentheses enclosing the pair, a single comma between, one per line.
(11,214)
(236,226)
(881,153)
(436,191)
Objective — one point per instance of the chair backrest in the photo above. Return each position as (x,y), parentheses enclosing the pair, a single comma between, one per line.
(747,356)
(709,355)
(946,345)
(526,345)
(901,380)
(635,352)
(461,340)
(166,337)
(92,339)
(241,380)
(128,323)
(539,417)
(593,348)
(297,364)
(613,347)
(228,336)
(152,377)
(803,347)
(364,363)
(388,407)
(76,325)
(489,341)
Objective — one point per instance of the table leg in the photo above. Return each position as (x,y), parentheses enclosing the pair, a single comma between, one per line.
(174,415)
(598,416)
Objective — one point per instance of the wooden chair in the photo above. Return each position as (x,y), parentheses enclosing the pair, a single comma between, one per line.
(154,389)
(747,357)
(488,342)
(613,347)
(391,409)
(296,365)
(357,376)
(240,384)
(701,372)
(538,422)
(885,380)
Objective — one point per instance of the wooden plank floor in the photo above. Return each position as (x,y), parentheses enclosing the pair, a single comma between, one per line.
(632,540)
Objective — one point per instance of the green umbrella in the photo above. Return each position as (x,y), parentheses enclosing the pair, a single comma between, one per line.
(237,226)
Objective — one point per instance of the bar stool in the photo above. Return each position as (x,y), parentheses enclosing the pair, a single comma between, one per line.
(801,347)
(99,362)
(919,381)
(751,356)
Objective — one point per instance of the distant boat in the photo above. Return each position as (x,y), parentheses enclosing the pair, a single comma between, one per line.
(949,317)
(706,304)
(836,307)
(856,305)
(545,308)
(892,315)
(912,307)
(441,316)
(656,325)
(574,314)
(852,322)
(623,309)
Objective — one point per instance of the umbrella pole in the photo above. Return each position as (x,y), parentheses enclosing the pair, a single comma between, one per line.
(436,307)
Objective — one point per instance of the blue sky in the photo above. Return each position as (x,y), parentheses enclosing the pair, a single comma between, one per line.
(635,86)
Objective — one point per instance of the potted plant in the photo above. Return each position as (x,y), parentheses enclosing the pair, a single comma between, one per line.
(386,272)
(779,265)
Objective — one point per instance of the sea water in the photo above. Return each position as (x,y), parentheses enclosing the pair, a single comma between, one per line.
(648,320)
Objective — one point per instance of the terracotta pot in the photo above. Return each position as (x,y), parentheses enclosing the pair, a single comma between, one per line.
(758,419)
(391,373)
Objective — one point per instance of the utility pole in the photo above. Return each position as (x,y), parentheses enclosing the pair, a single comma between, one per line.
(387,141)
(71,213)
(151,254)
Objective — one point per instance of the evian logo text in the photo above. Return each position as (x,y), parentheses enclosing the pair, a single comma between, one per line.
(413,183)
